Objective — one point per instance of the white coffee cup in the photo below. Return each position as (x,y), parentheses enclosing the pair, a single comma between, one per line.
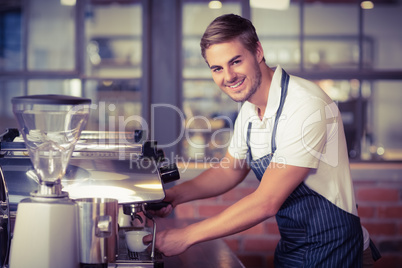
(134,240)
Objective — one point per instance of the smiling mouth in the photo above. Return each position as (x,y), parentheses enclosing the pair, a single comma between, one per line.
(237,84)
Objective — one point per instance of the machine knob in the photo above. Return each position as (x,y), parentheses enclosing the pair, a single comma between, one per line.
(169,173)
(149,150)
(10,135)
(138,135)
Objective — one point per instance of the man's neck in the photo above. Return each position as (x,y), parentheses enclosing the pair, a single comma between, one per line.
(261,98)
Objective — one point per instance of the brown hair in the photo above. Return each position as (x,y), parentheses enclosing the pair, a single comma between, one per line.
(226,28)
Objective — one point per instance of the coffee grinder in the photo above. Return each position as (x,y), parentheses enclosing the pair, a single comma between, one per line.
(46,231)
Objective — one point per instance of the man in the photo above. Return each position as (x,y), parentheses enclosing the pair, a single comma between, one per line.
(291,134)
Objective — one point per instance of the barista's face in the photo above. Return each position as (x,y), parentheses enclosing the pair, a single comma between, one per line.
(235,69)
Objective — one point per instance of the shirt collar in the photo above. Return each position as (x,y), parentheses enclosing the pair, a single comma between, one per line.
(274,95)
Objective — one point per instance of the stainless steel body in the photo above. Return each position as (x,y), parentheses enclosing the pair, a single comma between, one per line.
(98,230)
(127,181)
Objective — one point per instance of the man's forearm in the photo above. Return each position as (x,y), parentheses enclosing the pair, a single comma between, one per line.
(244,214)
(276,185)
(212,182)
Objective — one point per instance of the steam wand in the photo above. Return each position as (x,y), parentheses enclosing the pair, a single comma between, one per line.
(149,216)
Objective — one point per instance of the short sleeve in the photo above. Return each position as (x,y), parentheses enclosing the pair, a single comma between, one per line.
(303,132)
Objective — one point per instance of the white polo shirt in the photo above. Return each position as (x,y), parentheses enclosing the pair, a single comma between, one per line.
(309,134)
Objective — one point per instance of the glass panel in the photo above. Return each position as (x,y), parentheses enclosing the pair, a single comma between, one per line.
(51,40)
(209,113)
(385,136)
(210,116)
(335,52)
(381,133)
(346,94)
(382,24)
(196,18)
(116,105)
(55,86)
(9,89)
(331,36)
(279,32)
(114,46)
(11,37)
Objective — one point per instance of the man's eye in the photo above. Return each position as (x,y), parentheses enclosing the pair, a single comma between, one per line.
(236,62)
(216,70)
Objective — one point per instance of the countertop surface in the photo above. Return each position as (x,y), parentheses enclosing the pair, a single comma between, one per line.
(211,254)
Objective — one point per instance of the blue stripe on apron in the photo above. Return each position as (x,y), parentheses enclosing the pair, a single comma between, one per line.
(314,232)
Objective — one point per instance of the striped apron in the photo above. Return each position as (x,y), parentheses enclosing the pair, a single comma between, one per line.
(314,232)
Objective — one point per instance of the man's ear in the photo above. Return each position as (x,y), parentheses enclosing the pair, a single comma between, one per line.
(259,52)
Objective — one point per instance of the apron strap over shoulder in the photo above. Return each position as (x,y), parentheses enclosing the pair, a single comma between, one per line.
(260,165)
(284,90)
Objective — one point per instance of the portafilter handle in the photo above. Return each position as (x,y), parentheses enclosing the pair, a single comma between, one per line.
(157,206)
(130,209)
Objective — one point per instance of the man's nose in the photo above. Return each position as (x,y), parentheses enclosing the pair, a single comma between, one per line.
(230,76)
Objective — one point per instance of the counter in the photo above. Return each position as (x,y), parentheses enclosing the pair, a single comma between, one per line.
(211,254)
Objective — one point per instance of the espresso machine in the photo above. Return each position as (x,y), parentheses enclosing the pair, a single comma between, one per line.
(73,197)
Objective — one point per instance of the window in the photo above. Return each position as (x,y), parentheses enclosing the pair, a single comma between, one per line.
(351,53)
(74,50)
(100,50)
(209,113)
(50,36)
(113,64)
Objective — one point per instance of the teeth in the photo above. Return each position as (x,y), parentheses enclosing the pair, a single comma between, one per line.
(238,84)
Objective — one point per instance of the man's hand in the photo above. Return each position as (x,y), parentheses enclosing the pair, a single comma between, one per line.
(163,212)
(170,242)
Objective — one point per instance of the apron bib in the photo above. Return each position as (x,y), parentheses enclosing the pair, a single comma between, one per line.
(314,232)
